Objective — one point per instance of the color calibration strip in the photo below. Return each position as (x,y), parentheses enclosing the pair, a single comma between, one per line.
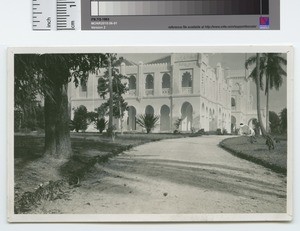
(169,7)
(62,15)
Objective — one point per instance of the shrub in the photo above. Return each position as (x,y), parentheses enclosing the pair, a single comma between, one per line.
(147,121)
(101,124)
(201,131)
(193,130)
(79,121)
(177,123)
(225,132)
(219,131)
(198,133)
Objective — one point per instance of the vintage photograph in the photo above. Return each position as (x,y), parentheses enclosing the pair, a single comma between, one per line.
(150,134)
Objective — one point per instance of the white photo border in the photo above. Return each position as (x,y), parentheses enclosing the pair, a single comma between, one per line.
(124,218)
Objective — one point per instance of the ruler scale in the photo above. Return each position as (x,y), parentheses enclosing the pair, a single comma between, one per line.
(43,15)
(50,15)
(155,15)
(67,14)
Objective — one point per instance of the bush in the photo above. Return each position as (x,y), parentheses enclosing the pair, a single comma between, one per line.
(147,121)
(193,130)
(79,121)
(219,131)
(101,124)
(198,133)
(201,131)
(177,123)
(176,131)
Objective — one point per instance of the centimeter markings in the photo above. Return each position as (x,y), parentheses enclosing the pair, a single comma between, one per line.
(50,15)
(67,14)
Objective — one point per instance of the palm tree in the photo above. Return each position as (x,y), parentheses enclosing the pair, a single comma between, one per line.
(257,75)
(147,121)
(273,71)
(270,67)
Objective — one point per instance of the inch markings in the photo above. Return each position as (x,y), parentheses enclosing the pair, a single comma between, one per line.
(43,15)
(50,15)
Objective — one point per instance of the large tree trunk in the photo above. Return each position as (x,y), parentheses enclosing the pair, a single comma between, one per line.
(50,119)
(262,128)
(62,130)
(57,133)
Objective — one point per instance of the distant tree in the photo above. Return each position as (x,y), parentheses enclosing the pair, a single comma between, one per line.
(79,121)
(147,121)
(274,122)
(283,120)
(118,89)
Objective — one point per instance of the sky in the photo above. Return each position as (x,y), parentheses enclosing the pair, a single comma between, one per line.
(278,99)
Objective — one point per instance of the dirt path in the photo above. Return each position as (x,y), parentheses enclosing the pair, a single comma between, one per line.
(190,175)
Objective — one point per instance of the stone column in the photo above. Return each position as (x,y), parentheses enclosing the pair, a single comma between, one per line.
(140,83)
(157,83)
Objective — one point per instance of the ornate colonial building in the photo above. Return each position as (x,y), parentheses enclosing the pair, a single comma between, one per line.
(177,86)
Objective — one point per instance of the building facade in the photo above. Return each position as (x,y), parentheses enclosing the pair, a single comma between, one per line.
(178,86)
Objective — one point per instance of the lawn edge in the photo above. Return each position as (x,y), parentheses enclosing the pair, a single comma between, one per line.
(252,159)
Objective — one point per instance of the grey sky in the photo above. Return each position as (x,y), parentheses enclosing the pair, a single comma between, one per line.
(278,99)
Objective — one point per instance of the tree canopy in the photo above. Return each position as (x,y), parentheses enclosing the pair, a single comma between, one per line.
(48,75)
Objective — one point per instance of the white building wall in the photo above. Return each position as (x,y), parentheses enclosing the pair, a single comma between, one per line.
(210,96)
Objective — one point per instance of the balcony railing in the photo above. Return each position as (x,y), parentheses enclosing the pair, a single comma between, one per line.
(131,92)
(149,92)
(187,90)
(166,91)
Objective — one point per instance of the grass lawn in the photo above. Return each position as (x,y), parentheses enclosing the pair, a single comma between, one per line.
(258,152)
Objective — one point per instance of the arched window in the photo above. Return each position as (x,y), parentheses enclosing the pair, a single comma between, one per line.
(187,80)
(149,82)
(166,81)
(132,82)
(149,110)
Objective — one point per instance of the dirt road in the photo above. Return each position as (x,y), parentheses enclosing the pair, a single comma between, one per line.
(190,175)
